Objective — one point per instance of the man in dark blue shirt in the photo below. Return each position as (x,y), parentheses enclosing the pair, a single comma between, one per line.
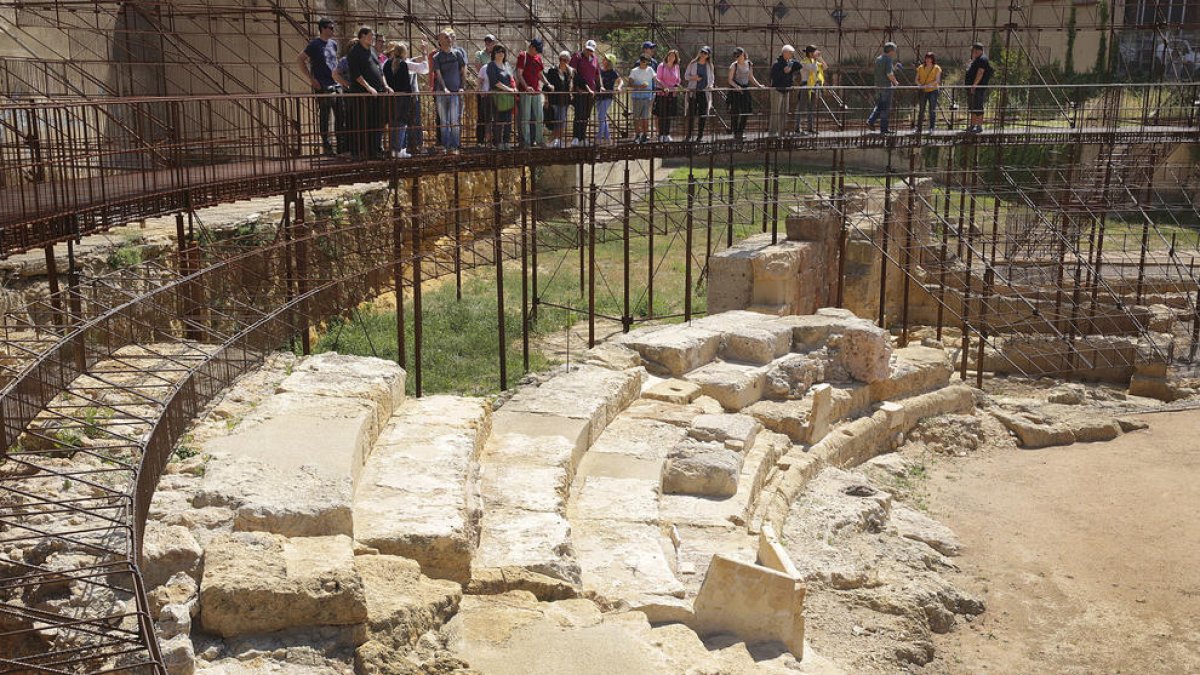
(317,62)
(979,75)
(783,72)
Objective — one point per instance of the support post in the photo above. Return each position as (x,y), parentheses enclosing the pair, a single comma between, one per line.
(398,274)
(414,228)
(498,255)
(524,270)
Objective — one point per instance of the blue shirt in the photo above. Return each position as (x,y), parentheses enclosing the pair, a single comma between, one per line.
(322,60)
(702,73)
(449,69)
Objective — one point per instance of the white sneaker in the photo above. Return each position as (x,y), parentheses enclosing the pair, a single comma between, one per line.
(403,154)
(574,142)
(670,140)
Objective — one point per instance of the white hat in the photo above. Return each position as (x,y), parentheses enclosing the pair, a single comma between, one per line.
(787,48)
(590,44)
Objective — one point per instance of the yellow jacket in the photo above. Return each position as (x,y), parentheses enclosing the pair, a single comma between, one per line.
(929,79)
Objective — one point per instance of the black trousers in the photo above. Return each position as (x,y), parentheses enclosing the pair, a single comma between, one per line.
(583,114)
(697,107)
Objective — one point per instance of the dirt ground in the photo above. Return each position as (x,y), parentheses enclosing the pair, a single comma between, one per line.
(1086,555)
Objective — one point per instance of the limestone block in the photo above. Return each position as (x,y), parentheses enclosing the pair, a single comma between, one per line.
(702,468)
(748,337)
(642,439)
(352,377)
(673,391)
(1151,387)
(755,603)
(536,541)
(168,550)
(790,377)
(626,561)
(542,437)
(736,432)
(413,498)
(776,274)
(255,582)
(734,386)
(1033,433)
(617,500)
(731,277)
(772,554)
(912,524)
(865,352)
(674,350)
(816,222)
(297,502)
(402,603)
(820,419)
(524,486)
(670,413)
(178,654)
(173,620)
(612,356)
(915,370)
(783,417)
(180,589)
(589,393)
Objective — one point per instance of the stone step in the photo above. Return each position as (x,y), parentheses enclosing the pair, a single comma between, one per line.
(416,496)
(290,466)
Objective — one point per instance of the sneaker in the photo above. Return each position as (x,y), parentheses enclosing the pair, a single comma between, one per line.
(574,142)
(669,139)
(886,132)
(870,125)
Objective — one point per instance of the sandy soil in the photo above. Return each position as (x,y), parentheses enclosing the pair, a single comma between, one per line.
(1087,555)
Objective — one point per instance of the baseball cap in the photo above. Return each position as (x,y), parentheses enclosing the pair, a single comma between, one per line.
(889,46)
(977,45)
(788,48)
(810,49)
(489,38)
(536,43)
(706,49)
(590,44)
(649,45)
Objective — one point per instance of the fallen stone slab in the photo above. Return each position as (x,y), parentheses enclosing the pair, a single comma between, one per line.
(1041,430)
(168,550)
(402,605)
(785,417)
(414,498)
(790,377)
(256,582)
(912,524)
(753,602)
(733,385)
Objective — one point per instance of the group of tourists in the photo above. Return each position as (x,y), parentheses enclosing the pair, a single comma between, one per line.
(522,99)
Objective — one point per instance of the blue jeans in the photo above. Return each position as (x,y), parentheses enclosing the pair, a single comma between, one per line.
(883,108)
(602,106)
(531,118)
(450,111)
(929,100)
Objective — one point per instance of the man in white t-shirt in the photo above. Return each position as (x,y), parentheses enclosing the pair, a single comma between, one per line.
(641,81)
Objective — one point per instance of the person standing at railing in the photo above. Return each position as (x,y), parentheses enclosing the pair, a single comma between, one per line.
(641,81)
(450,75)
(650,51)
(667,77)
(812,79)
(929,79)
(611,83)
(885,81)
(587,80)
(782,76)
(399,72)
(345,132)
(559,81)
(741,78)
(979,75)
(366,77)
(316,62)
(530,77)
(700,77)
(504,96)
(483,102)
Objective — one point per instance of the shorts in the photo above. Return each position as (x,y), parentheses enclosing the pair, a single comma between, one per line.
(642,108)
(977,99)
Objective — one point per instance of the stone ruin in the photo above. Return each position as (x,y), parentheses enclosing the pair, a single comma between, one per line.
(330,524)
(1130,342)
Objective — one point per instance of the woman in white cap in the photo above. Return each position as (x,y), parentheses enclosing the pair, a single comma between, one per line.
(700,78)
